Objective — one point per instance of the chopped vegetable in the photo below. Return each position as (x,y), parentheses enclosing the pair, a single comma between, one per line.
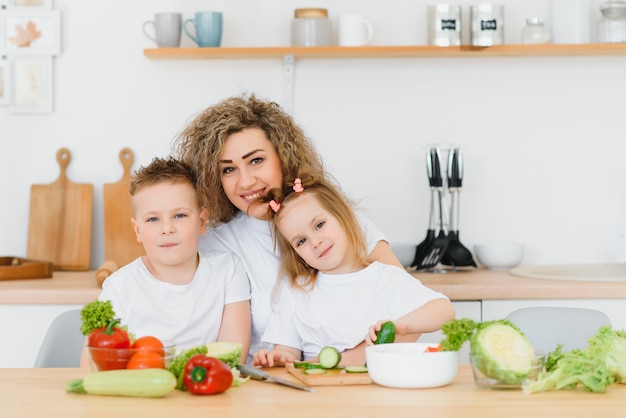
(206,375)
(457,332)
(228,352)
(314,371)
(387,333)
(595,368)
(151,383)
(434,349)
(356,369)
(306,365)
(329,357)
(506,355)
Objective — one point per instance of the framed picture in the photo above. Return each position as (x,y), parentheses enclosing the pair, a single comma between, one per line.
(5,82)
(26,3)
(32,80)
(30,31)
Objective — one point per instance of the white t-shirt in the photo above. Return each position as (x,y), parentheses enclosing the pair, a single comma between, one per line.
(340,308)
(251,239)
(189,314)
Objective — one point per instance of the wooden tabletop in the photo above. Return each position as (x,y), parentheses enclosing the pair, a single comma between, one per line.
(80,287)
(40,392)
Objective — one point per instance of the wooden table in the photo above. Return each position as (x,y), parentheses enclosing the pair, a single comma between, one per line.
(40,392)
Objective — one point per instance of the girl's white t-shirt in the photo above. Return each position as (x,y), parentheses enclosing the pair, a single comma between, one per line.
(187,315)
(340,308)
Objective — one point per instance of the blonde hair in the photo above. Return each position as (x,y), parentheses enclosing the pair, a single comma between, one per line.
(330,197)
(201,145)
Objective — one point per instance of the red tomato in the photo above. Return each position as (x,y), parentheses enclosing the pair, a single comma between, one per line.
(149,343)
(145,359)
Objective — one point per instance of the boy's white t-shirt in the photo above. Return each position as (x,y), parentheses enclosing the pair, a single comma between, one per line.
(251,239)
(187,315)
(341,307)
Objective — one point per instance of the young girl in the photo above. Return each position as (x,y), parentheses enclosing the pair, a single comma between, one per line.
(331,294)
(241,148)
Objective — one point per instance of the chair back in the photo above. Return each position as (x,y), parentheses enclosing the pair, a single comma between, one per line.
(547,327)
(63,343)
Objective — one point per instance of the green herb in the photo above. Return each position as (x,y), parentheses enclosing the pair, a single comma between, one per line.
(96,314)
(457,332)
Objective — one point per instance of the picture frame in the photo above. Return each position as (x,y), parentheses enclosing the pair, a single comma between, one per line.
(27,3)
(32,84)
(5,82)
(30,31)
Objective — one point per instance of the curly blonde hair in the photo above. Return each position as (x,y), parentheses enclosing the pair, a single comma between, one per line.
(201,145)
(330,197)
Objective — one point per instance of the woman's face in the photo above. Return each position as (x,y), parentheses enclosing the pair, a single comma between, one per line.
(250,167)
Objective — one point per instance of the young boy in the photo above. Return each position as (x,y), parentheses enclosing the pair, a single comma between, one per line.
(175,292)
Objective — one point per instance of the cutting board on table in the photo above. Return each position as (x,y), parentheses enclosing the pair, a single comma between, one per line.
(120,244)
(330,378)
(59,225)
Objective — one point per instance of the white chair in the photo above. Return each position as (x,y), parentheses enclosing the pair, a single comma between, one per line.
(63,343)
(547,327)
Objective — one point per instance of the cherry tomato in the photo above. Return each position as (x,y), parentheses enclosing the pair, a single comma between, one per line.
(149,343)
(145,359)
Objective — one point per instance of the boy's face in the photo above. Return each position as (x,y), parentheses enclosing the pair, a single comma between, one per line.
(168,223)
(315,234)
(250,168)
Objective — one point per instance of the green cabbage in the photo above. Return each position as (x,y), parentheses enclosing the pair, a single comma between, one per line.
(501,351)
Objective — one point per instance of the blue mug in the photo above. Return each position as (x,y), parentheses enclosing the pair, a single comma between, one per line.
(208,28)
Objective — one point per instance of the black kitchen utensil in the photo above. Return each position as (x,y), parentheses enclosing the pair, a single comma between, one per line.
(456,254)
(423,246)
(432,255)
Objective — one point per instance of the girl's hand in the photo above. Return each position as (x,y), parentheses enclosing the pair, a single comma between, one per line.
(271,358)
(370,339)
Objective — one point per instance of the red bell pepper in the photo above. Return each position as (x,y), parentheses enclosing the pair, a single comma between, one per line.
(109,346)
(205,375)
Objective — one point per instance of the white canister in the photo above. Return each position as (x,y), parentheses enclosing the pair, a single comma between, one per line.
(444,25)
(487,25)
(570,21)
(311,27)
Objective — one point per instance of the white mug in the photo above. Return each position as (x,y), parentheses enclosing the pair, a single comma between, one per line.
(354,30)
(166,28)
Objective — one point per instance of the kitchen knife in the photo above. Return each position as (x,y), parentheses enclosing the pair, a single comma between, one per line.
(258,374)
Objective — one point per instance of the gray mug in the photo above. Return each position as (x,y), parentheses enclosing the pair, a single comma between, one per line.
(167,29)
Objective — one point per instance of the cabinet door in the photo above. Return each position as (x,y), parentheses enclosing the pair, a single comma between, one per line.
(464,309)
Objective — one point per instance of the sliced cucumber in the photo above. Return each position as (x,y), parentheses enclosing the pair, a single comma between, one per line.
(314,371)
(356,369)
(329,357)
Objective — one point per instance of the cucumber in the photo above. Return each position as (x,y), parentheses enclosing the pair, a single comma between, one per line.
(356,369)
(306,365)
(387,333)
(314,371)
(146,383)
(329,357)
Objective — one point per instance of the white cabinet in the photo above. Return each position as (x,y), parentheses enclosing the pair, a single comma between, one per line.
(23,328)
(464,309)
(614,308)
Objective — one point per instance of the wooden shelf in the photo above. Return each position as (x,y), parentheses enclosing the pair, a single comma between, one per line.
(387,51)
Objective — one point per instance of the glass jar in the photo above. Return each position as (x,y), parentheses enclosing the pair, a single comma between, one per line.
(535,32)
(612,23)
(311,27)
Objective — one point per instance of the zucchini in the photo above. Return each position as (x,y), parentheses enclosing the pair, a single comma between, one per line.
(146,383)
(387,333)
(329,357)
(356,369)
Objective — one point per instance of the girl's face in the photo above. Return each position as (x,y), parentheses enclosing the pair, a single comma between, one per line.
(168,222)
(250,167)
(316,235)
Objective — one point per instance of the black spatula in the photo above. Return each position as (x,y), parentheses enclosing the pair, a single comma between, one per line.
(423,246)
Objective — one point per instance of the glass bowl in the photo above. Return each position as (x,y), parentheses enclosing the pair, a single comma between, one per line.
(117,358)
(510,372)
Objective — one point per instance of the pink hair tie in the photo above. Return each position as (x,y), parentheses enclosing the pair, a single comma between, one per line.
(274,205)
(297,186)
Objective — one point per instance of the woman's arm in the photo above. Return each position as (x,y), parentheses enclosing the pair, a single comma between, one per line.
(236,326)
(382,253)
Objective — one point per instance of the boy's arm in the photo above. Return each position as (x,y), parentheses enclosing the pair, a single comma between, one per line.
(236,326)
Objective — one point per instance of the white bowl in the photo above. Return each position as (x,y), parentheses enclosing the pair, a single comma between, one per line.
(499,256)
(405,253)
(408,365)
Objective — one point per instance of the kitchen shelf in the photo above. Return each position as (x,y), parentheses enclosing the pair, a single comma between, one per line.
(387,51)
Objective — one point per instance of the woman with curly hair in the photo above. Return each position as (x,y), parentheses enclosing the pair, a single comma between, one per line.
(241,148)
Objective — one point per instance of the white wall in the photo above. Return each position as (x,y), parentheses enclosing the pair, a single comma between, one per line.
(543,137)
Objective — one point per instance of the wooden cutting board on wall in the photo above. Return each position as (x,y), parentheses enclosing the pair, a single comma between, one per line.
(59,226)
(120,244)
